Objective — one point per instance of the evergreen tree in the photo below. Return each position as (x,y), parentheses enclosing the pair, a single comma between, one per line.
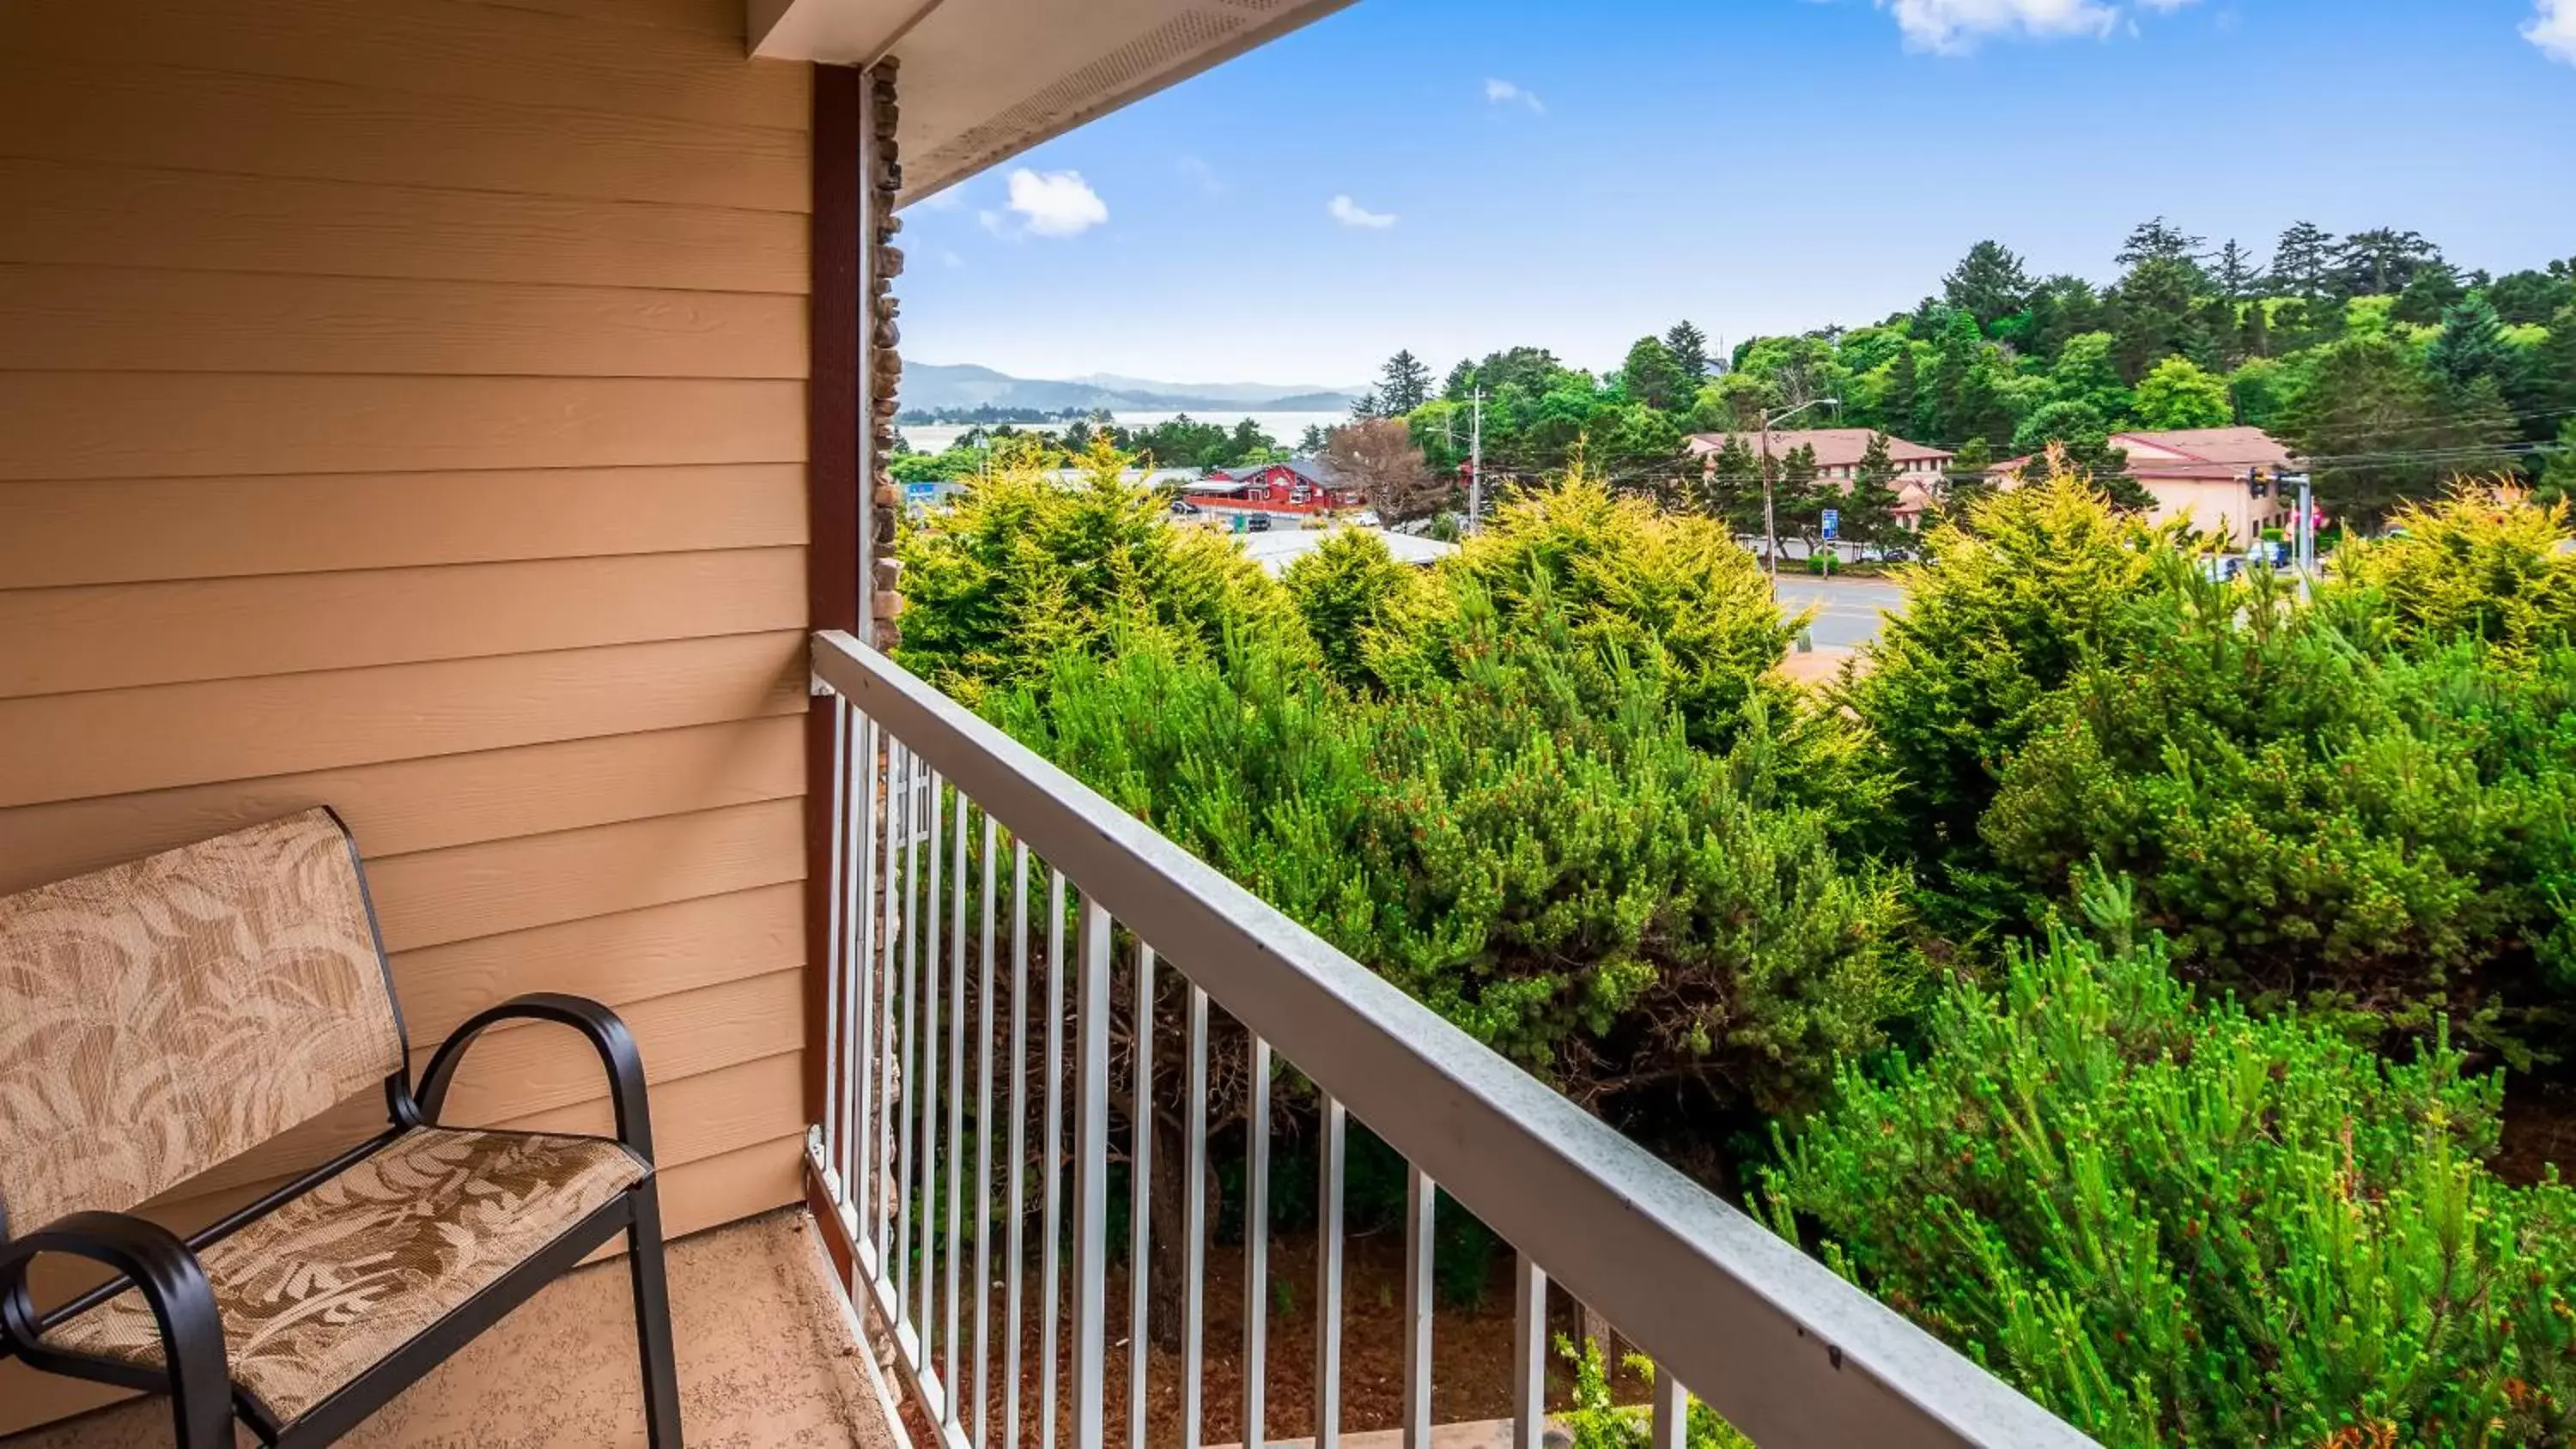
(2558,472)
(2254,331)
(2155,241)
(1989,283)
(2158,312)
(1902,401)
(2472,345)
(1404,385)
(1650,376)
(1731,486)
(1461,382)
(1869,510)
(1956,360)
(2434,287)
(2303,262)
(1689,348)
(2381,261)
(2236,274)
(2380,432)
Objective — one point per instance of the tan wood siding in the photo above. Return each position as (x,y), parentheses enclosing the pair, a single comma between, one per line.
(55,534)
(154,217)
(402,407)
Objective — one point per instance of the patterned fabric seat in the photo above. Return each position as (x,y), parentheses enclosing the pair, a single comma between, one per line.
(165,1016)
(323,1288)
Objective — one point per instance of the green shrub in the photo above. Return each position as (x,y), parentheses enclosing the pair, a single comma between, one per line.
(2174,1222)
(1676,595)
(1346,591)
(1533,847)
(1026,569)
(1593,1421)
(2305,813)
(2486,563)
(2007,603)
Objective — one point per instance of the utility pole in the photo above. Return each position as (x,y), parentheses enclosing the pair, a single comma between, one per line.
(1770,525)
(1476,462)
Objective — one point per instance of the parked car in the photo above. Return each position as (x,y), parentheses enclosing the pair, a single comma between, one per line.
(1257,523)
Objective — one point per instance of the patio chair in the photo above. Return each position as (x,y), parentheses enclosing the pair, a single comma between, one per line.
(160,1017)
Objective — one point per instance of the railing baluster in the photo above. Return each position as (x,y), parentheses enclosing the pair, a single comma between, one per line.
(1194,1226)
(1672,1412)
(1421,1198)
(858,1176)
(1256,1246)
(1529,1353)
(907,1142)
(984,1139)
(1054,1218)
(1015,1245)
(886,1130)
(1328,1280)
(832,946)
(956,1105)
(1140,1177)
(1091,1184)
(926,1317)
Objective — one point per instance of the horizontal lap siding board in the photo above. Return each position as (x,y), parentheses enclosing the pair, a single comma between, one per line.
(402,407)
(55,534)
(160,217)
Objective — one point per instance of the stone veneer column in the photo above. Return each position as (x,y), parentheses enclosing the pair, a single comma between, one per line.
(885,364)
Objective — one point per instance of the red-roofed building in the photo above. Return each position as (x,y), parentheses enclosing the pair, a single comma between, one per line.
(2206,473)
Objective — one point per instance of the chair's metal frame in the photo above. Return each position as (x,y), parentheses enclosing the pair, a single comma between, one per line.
(164,1266)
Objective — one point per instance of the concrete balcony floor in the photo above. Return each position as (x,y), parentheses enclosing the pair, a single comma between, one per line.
(766,1352)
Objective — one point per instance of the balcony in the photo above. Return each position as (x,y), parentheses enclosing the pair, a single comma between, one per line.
(1030,995)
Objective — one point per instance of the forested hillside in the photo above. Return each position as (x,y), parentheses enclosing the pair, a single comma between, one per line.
(2374,354)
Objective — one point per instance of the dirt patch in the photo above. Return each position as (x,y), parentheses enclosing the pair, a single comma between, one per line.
(2539,1129)
(1471,1351)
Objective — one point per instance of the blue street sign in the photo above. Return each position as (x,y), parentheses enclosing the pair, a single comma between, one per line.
(1833,522)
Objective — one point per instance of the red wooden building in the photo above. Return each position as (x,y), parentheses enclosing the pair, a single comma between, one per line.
(1298,486)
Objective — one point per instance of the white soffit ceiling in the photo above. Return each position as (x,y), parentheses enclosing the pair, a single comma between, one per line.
(984,80)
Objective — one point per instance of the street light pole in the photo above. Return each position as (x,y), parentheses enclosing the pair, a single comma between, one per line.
(1770,524)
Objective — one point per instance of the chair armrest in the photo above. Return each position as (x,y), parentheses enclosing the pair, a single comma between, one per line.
(174,1286)
(607,1034)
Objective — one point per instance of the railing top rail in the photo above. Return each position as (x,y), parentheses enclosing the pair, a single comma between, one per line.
(1786,1350)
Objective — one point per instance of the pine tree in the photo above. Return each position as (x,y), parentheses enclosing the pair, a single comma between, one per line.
(1651,376)
(2155,241)
(2236,272)
(2472,345)
(2381,261)
(1869,510)
(1404,385)
(1689,347)
(1903,399)
(1989,283)
(2303,262)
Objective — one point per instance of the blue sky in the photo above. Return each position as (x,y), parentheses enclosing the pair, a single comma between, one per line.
(1455,176)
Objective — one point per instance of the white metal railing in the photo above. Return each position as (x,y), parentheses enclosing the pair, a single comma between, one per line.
(937,808)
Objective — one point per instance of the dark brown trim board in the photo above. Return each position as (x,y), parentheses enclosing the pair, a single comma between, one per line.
(835,508)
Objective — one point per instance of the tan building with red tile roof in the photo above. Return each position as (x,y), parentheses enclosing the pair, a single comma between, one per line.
(2206,473)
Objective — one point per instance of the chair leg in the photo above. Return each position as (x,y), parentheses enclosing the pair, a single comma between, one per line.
(653,1320)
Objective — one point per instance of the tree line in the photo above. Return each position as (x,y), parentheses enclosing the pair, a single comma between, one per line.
(2373,354)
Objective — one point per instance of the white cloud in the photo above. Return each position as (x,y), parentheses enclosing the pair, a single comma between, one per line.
(1047,203)
(2553,29)
(1351,213)
(1953,27)
(951,259)
(1504,93)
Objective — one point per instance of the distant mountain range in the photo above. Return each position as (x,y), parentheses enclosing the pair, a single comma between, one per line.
(931,385)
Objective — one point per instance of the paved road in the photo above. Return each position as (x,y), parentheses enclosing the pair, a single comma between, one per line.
(1847,610)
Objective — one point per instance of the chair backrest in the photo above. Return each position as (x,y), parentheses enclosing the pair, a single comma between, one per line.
(159,1017)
